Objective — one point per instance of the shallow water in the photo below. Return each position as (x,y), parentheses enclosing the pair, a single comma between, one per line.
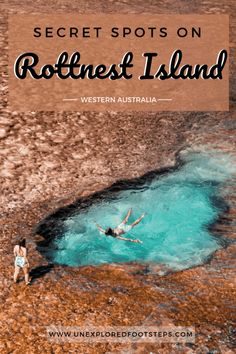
(179,206)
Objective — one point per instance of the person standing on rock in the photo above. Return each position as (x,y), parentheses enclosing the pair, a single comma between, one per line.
(21,261)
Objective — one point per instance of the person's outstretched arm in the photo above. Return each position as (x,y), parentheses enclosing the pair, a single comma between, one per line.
(128,239)
(127,216)
(100,229)
(136,222)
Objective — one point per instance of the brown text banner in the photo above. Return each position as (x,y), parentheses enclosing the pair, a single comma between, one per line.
(118,62)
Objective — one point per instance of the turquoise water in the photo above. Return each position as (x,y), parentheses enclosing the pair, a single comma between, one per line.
(179,206)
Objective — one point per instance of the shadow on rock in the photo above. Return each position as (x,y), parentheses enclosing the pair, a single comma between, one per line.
(40,271)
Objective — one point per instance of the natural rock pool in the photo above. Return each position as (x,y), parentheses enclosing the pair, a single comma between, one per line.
(180,205)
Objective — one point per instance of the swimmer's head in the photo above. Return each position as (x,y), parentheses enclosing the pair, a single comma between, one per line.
(22,242)
(109,231)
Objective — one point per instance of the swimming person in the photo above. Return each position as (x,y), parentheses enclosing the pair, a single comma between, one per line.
(122,228)
(21,261)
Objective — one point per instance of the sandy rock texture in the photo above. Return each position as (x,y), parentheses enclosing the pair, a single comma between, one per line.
(48,160)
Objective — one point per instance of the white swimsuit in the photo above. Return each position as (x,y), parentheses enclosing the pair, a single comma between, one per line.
(20,261)
(124,227)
